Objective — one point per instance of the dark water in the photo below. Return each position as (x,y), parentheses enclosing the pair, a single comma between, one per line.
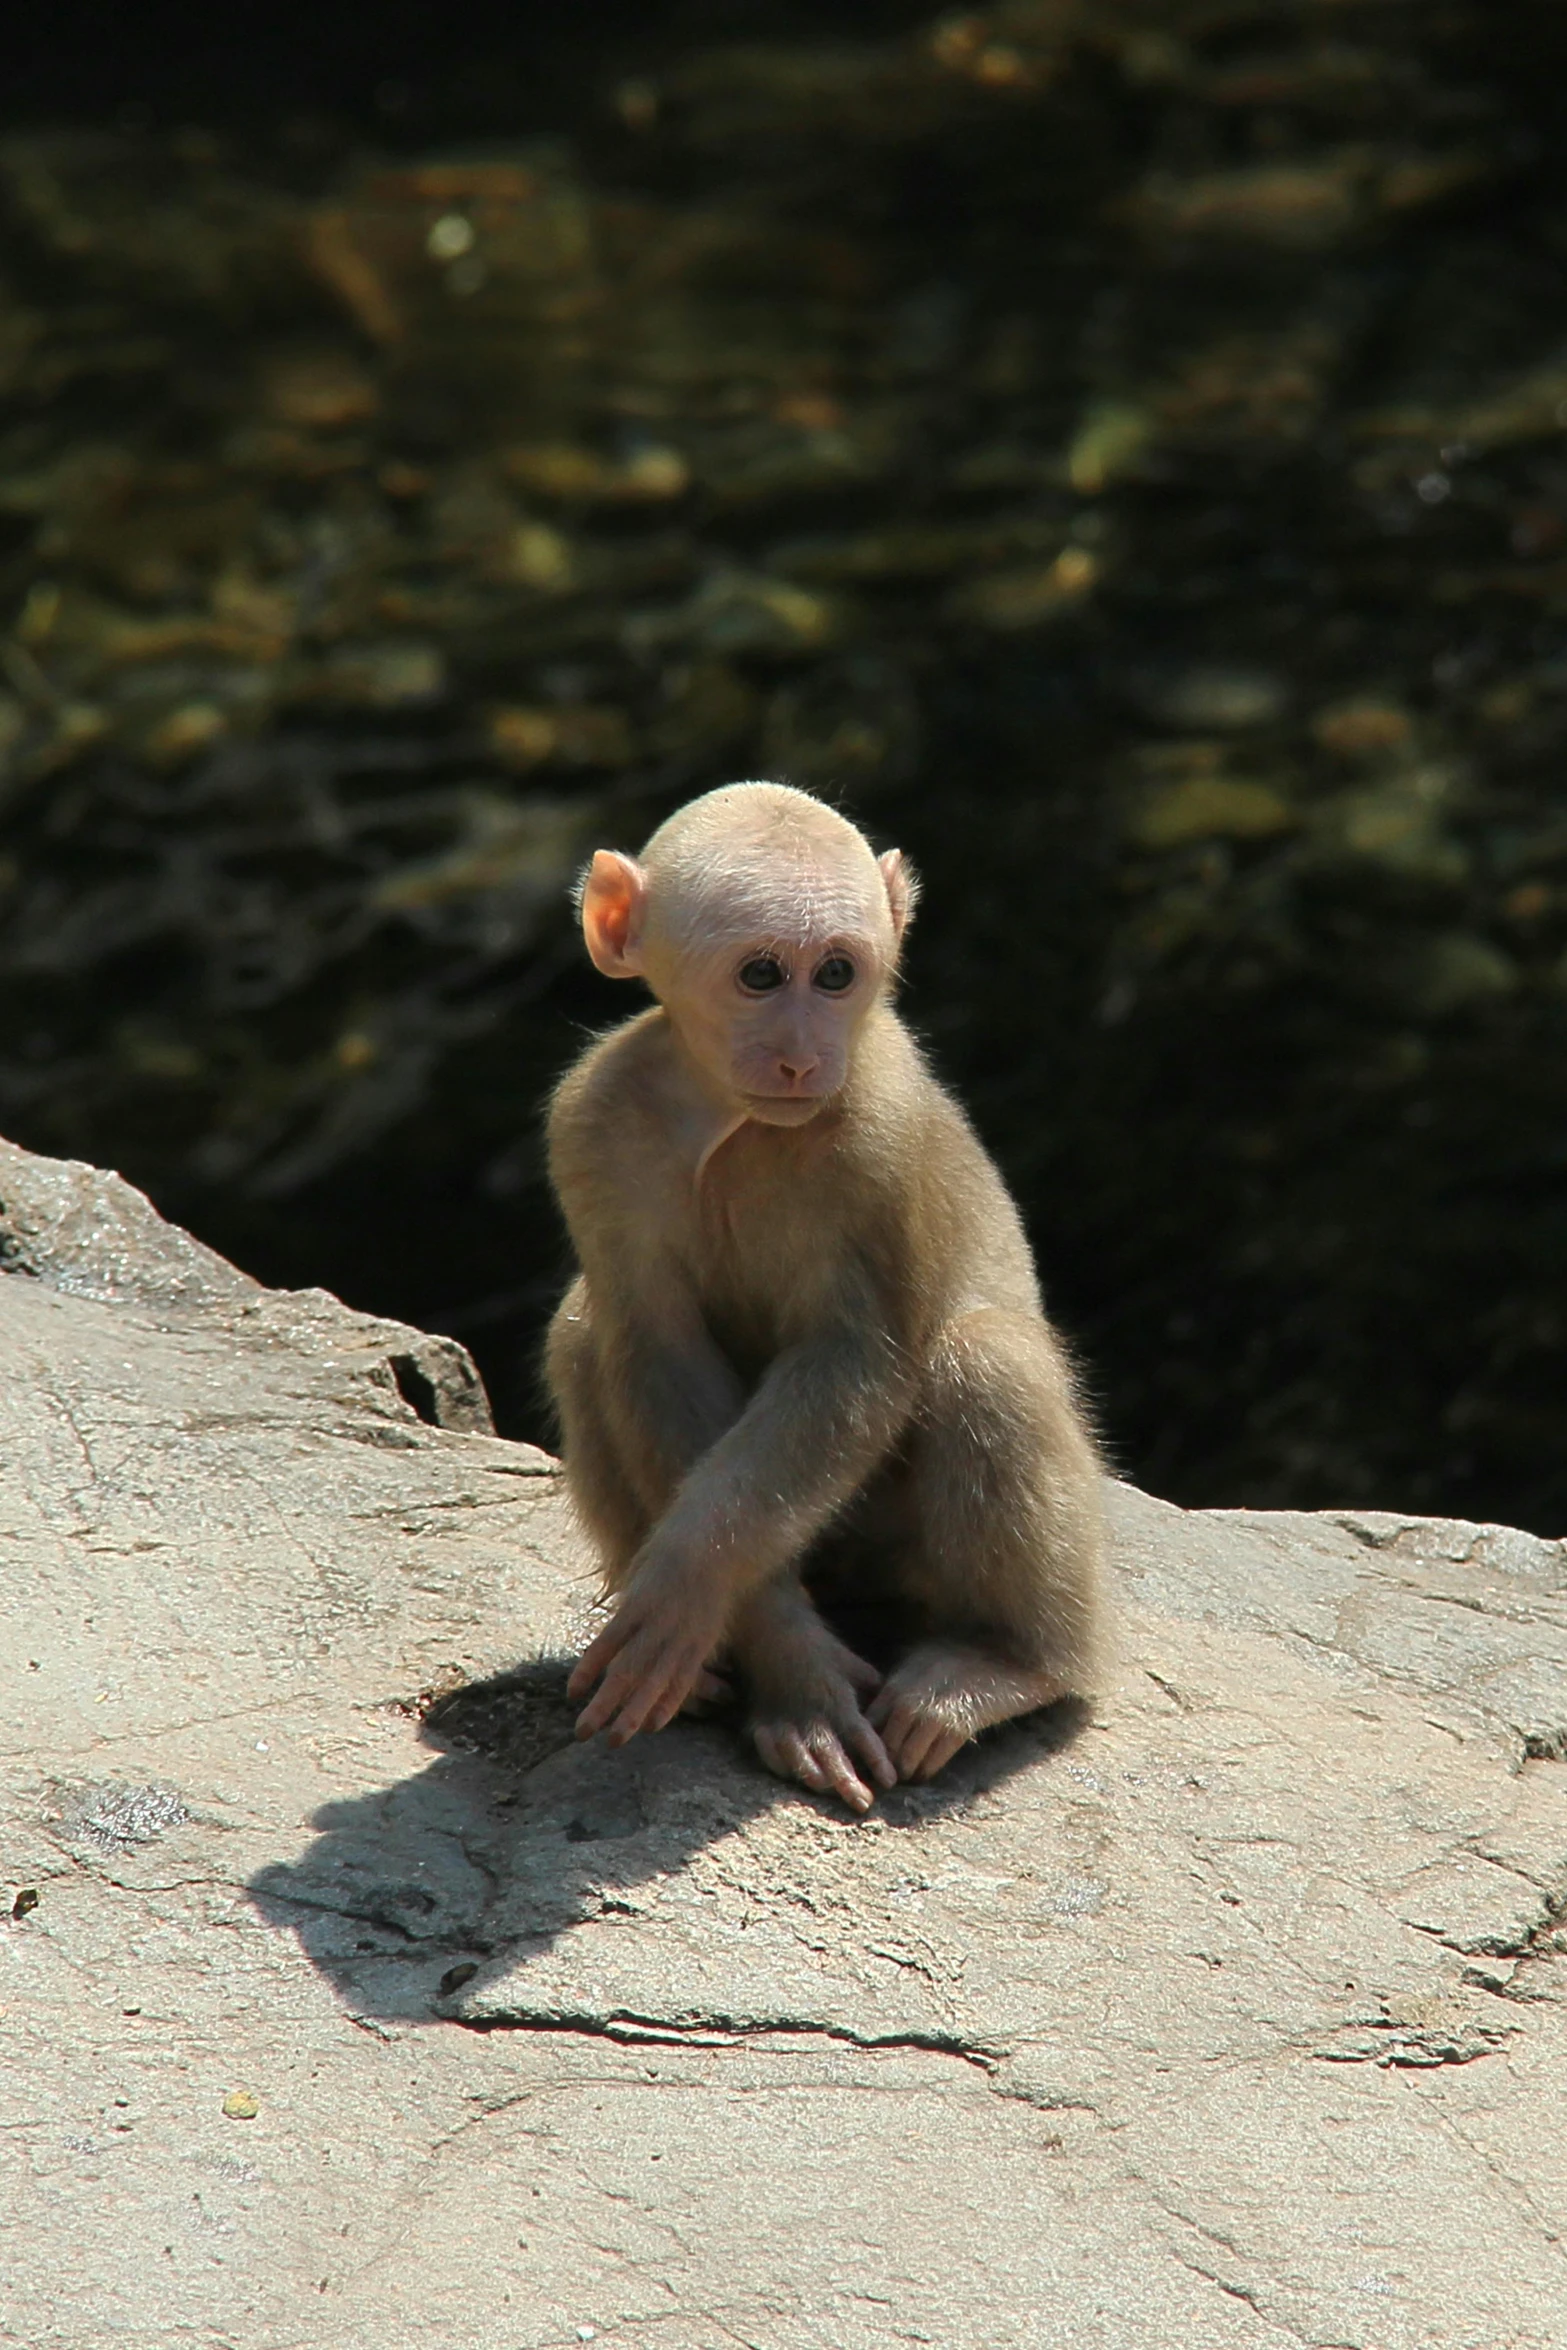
(1119,453)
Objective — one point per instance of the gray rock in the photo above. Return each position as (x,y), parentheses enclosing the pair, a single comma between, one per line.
(87,1233)
(1229,2011)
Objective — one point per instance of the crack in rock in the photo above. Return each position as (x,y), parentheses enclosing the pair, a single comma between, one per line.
(715,2032)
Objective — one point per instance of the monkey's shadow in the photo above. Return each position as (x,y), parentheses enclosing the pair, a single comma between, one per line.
(517,1832)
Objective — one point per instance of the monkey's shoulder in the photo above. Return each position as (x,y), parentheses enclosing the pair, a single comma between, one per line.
(902,1117)
(918,1155)
(613,1104)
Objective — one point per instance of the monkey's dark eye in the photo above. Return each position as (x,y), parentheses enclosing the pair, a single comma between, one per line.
(762,974)
(836,975)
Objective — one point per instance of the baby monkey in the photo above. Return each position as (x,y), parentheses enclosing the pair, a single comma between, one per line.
(805,1349)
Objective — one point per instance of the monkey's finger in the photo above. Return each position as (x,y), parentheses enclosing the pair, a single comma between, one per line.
(826,1751)
(871,1752)
(618,1689)
(924,1733)
(805,1764)
(649,1694)
(879,1711)
(599,1711)
(632,1623)
(941,1753)
(895,1715)
(678,1692)
(639,1662)
(788,1757)
(861,1675)
(597,1656)
(653,1703)
(901,1721)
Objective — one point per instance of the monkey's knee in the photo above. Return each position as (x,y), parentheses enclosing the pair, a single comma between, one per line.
(1001,1422)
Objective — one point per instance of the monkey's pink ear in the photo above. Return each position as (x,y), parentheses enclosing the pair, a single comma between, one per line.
(903,889)
(614,904)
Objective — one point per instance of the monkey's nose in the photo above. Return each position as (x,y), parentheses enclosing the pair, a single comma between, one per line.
(801,1066)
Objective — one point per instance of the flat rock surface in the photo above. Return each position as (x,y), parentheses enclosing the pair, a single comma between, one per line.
(347,2003)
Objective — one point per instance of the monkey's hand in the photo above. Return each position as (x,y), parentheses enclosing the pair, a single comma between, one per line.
(650,1658)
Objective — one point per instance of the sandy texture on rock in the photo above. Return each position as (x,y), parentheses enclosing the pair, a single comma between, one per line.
(1231,2011)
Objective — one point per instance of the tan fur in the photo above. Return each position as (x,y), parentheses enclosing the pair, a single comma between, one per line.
(804,1312)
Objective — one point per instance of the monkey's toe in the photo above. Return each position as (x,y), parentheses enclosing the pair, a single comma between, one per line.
(919,1738)
(816,1756)
(941,1697)
(938,1753)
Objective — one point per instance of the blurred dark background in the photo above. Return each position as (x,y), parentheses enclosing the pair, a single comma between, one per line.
(1118,452)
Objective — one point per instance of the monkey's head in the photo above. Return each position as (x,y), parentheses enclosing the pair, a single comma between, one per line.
(767,928)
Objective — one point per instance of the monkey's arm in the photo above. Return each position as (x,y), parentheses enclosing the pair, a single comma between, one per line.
(827,1411)
(659,1379)
(667,1391)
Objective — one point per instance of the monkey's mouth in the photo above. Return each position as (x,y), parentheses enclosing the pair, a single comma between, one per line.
(785,1109)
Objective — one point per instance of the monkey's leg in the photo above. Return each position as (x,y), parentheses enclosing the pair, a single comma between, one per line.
(805,1691)
(597,1479)
(1005,1562)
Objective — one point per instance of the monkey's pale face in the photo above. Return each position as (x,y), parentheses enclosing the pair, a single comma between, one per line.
(767,947)
(773,1021)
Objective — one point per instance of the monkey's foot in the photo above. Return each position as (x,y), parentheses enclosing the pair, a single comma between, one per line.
(816,1751)
(939,1698)
(808,1692)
